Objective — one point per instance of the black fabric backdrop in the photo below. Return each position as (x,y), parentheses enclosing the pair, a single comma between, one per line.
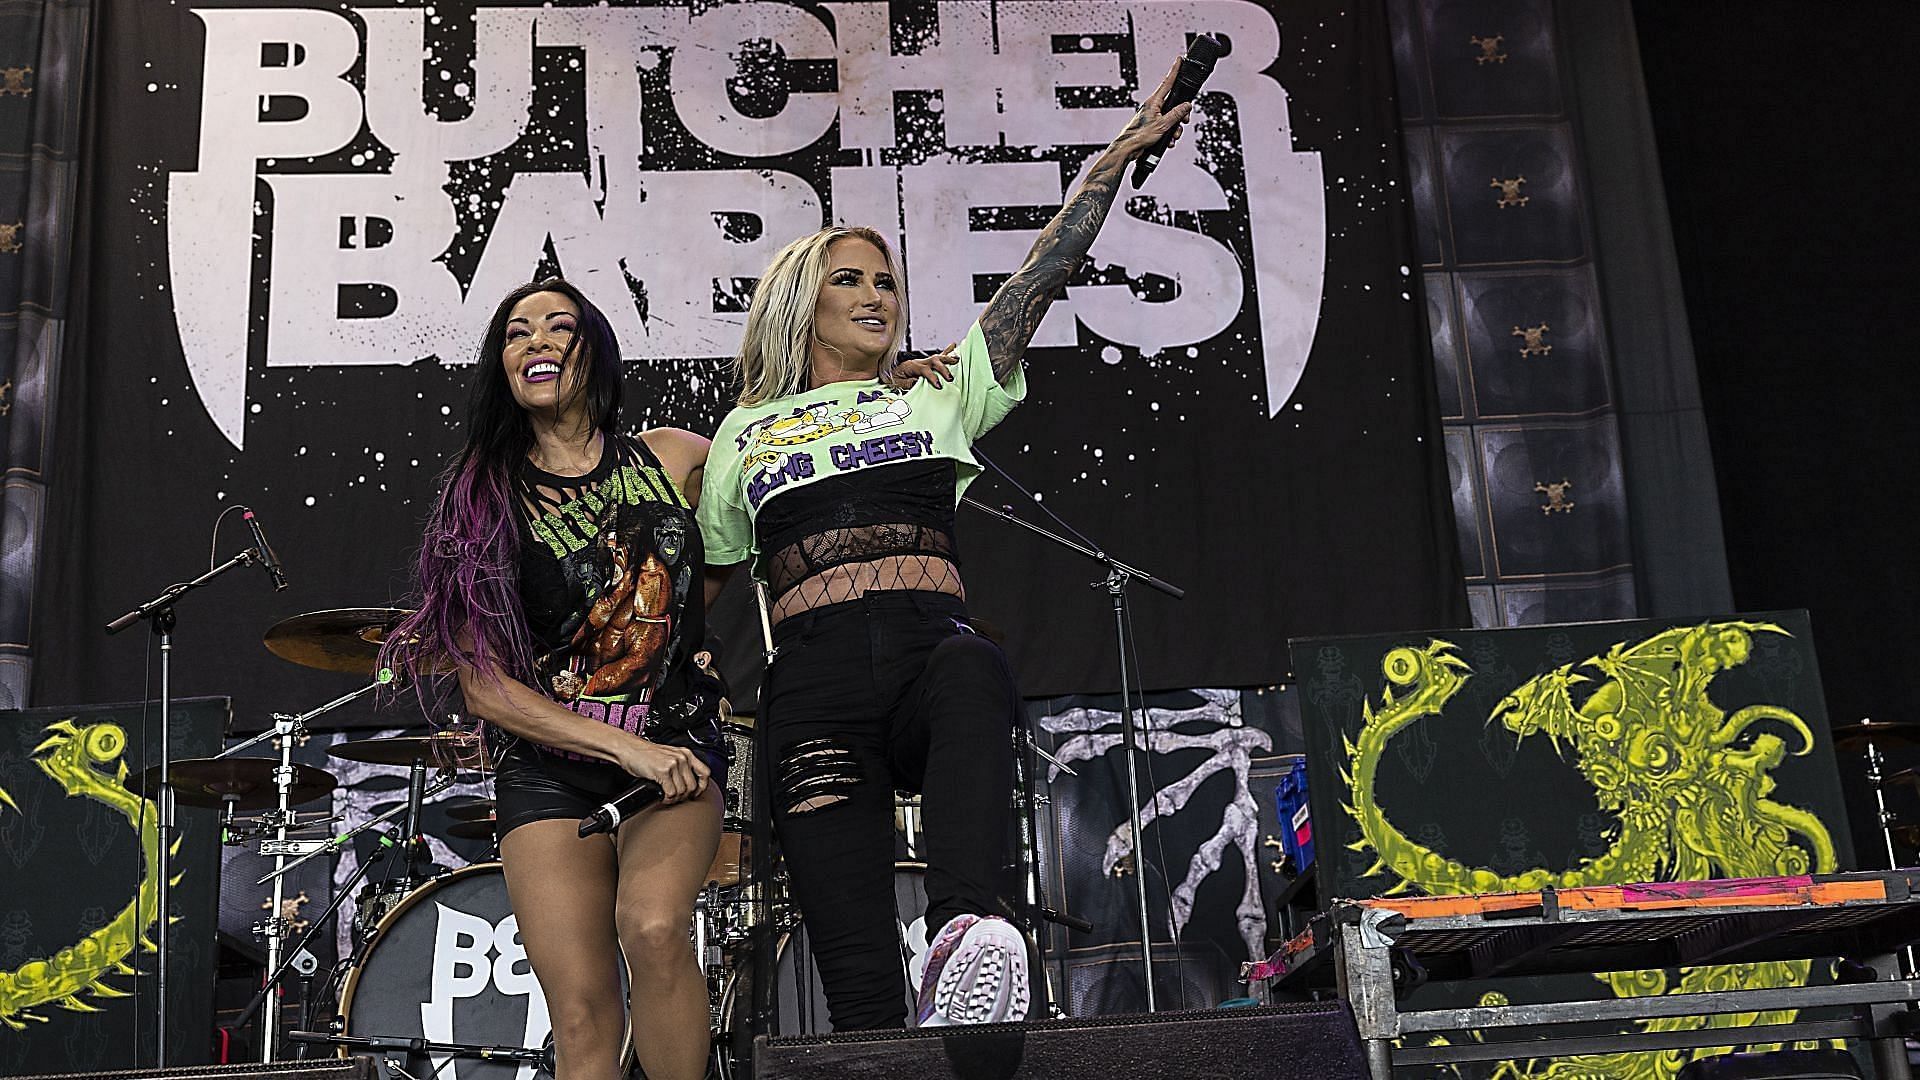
(1791,264)
(1323,512)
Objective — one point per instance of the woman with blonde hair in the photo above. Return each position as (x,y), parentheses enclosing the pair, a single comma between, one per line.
(840,488)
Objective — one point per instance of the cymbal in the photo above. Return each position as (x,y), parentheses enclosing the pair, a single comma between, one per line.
(345,639)
(447,747)
(1849,736)
(478,829)
(471,810)
(248,780)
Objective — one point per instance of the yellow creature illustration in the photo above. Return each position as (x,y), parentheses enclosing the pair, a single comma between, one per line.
(1687,784)
(76,757)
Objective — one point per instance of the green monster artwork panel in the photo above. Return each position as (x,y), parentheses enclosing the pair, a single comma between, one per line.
(80,868)
(1481,761)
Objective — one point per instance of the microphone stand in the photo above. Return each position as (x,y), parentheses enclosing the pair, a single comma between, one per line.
(1115,585)
(158,612)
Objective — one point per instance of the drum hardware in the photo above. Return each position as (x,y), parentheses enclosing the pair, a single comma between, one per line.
(462,748)
(470,810)
(477,829)
(1114,584)
(417,1064)
(1869,735)
(444,780)
(234,780)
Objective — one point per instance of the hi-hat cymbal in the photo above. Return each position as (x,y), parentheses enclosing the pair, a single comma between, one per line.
(246,781)
(470,810)
(1881,732)
(346,639)
(447,747)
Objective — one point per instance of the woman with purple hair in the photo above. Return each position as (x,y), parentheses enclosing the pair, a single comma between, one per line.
(558,578)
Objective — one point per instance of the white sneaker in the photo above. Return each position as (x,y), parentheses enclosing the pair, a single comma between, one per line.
(976,973)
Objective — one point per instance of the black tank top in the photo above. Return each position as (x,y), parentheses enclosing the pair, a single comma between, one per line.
(610,582)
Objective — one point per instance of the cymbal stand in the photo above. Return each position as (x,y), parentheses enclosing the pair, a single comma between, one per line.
(1115,586)
(286,728)
(274,975)
(1026,803)
(158,612)
(1877,779)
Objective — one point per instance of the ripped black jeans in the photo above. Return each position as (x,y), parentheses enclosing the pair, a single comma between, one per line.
(890,690)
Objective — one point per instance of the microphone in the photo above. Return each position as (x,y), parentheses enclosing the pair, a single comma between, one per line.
(1194,69)
(611,814)
(267,557)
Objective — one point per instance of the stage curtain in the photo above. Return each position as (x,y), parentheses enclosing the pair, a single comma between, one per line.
(42,77)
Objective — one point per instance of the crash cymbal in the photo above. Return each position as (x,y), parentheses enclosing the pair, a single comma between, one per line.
(1882,732)
(470,810)
(346,639)
(248,780)
(478,829)
(443,748)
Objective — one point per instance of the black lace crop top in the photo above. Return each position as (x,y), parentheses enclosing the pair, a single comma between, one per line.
(902,509)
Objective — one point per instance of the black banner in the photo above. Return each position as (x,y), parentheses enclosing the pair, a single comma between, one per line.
(302,215)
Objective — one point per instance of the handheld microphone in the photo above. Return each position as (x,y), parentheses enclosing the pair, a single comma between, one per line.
(1194,69)
(267,557)
(611,814)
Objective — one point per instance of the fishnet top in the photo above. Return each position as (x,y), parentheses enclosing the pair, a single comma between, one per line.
(903,509)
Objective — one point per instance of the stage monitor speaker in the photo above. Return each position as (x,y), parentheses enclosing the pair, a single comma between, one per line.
(356,1068)
(1314,1041)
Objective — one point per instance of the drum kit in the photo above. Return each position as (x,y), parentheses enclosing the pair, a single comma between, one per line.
(436,974)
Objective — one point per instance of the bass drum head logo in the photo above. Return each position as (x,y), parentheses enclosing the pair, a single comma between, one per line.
(448,965)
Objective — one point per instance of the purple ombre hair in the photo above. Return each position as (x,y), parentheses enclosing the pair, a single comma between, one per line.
(467,611)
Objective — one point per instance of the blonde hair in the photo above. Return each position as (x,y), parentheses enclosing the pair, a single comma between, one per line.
(777,349)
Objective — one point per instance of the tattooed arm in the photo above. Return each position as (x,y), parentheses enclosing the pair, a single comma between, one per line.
(1015,311)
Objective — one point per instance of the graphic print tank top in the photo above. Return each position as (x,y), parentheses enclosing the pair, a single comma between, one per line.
(610,580)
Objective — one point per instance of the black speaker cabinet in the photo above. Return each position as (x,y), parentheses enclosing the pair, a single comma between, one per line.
(357,1068)
(1315,1041)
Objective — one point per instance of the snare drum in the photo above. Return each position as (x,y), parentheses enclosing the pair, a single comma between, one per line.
(446,964)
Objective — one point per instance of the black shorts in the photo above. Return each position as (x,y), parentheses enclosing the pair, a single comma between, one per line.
(531,785)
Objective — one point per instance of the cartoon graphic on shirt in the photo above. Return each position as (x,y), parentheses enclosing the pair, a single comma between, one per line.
(632,575)
(627,627)
(871,411)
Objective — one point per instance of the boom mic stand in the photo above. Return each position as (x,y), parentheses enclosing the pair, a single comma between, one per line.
(1115,585)
(158,612)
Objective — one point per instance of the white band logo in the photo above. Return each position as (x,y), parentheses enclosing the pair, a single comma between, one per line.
(469,955)
(276,93)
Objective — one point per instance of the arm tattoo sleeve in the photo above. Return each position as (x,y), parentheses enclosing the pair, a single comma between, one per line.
(1015,311)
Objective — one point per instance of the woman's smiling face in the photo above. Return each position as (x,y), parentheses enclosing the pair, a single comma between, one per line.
(544,371)
(857,315)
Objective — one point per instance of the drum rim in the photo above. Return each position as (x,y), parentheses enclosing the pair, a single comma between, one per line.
(432,884)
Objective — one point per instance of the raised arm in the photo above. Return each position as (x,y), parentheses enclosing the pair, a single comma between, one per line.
(1015,311)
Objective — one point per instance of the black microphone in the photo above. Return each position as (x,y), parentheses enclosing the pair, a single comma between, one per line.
(267,557)
(1194,69)
(611,814)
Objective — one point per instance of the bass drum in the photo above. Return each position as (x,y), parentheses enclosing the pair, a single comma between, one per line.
(803,1004)
(446,964)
